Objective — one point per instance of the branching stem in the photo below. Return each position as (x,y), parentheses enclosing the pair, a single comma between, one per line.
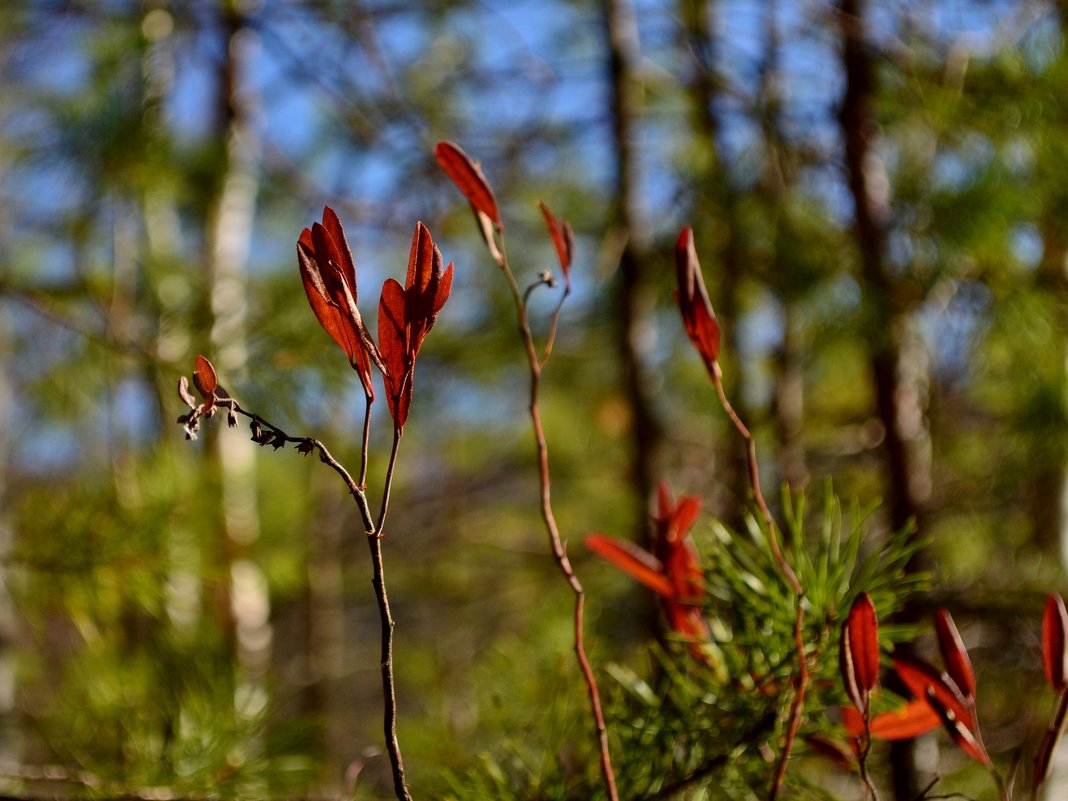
(265,433)
(557,546)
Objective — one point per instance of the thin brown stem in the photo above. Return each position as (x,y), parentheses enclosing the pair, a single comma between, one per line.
(862,762)
(379,530)
(365,440)
(556,543)
(797,706)
(265,433)
(388,688)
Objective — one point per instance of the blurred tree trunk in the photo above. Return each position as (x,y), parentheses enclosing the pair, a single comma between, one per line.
(242,597)
(898,402)
(1049,481)
(716,199)
(633,299)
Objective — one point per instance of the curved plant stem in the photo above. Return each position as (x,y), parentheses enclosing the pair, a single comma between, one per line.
(265,433)
(559,551)
(797,706)
(389,694)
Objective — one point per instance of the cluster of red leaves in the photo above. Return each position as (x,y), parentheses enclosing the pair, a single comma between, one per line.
(406,313)
(673,571)
(213,397)
(946,697)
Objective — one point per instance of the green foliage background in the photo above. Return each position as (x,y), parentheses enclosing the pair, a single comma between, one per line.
(169,620)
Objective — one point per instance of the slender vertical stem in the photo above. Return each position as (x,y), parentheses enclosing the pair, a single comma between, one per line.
(556,543)
(365,440)
(388,689)
(379,530)
(797,706)
(278,437)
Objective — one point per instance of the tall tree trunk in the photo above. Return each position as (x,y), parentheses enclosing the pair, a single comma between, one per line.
(243,595)
(633,299)
(898,403)
(715,198)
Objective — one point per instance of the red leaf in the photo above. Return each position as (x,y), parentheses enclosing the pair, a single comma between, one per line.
(1054,650)
(697,315)
(920,677)
(327,311)
(858,652)
(563,241)
(328,274)
(468,177)
(913,719)
(634,561)
(954,654)
(962,734)
(205,378)
(426,288)
(393,346)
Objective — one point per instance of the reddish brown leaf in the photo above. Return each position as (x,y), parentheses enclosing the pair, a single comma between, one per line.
(468,177)
(962,734)
(919,676)
(858,652)
(563,240)
(327,311)
(913,719)
(1055,643)
(831,749)
(328,274)
(393,346)
(697,316)
(634,561)
(205,378)
(954,654)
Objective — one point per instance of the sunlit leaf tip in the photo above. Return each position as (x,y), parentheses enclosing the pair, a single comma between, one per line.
(468,177)
(204,377)
(954,654)
(563,239)
(697,316)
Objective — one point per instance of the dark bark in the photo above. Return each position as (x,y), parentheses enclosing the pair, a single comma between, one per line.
(632,295)
(718,199)
(886,316)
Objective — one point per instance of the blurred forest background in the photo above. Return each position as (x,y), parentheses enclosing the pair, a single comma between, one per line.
(879,200)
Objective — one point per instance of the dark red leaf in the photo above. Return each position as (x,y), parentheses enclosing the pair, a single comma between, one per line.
(636,562)
(913,719)
(205,378)
(1055,643)
(858,652)
(328,274)
(468,177)
(342,255)
(563,240)
(919,677)
(954,654)
(962,734)
(426,288)
(697,316)
(327,311)
(393,346)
